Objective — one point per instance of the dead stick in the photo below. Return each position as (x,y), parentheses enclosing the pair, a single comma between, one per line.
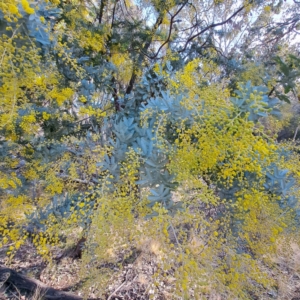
(22,282)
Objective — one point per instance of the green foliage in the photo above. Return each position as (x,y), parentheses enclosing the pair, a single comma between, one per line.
(255,102)
(289,72)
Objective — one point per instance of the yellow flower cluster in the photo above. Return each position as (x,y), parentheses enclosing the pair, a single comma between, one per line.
(13,9)
(267,8)
(90,111)
(28,124)
(231,150)
(54,184)
(10,10)
(19,205)
(27,7)
(61,95)
(9,181)
(89,40)
(123,63)
(46,116)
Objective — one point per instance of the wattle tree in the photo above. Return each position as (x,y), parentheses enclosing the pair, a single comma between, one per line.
(152,124)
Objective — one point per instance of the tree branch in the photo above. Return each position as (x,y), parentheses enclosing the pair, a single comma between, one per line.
(296,132)
(113,14)
(209,27)
(103,3)
(141,56)
(170,30)
(22,282)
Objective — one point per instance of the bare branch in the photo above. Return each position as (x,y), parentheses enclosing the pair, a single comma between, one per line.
(141,56)
(100,16)
(170,29)
(296,132)
(22,282)
(210,27)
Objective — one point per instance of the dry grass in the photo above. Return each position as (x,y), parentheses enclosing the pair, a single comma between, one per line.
(136,277)
(287,266)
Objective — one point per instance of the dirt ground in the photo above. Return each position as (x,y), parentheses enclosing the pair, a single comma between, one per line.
(131,283)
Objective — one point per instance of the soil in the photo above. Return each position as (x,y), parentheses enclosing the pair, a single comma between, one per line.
(132,282)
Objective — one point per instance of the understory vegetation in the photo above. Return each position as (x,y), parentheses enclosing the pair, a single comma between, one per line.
(154,132)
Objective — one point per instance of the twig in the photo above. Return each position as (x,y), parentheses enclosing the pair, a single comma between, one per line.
(296,132)
(117,289)
(170,30)
(177,242)
(210,27)
(16,290)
